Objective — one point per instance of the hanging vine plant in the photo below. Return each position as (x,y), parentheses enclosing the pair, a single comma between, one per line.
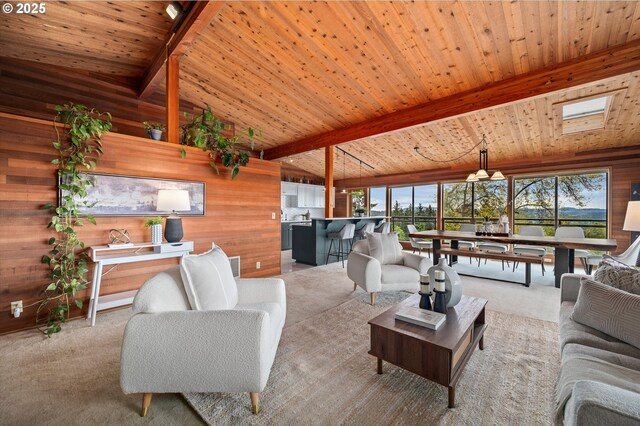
(79,145)
(206,131)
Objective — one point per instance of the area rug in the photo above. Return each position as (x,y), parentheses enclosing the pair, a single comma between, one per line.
(323,375)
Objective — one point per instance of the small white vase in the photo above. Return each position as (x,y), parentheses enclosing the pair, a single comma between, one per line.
(452,282)
(156,234)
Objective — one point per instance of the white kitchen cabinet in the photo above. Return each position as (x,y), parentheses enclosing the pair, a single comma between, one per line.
(289,188)
(303,195)
(306,197)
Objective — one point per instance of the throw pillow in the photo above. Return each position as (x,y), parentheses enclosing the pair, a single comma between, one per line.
(609,310)
(618,275)
(385,248)
(208,281)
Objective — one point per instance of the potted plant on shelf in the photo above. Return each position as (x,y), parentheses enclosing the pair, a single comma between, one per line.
(79,144)
(155,224)
(154,129)
(206,131)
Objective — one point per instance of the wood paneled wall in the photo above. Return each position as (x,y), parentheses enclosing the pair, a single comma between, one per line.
(238,213)
(342,205)
(32,89)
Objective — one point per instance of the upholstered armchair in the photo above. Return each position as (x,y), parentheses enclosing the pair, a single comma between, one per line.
(373,275)
(176,342)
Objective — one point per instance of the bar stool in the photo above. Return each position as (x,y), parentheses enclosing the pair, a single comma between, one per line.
(383,227)
(362,231)
(346,233)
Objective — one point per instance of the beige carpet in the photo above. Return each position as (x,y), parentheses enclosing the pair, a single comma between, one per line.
(323,375)
(73,378)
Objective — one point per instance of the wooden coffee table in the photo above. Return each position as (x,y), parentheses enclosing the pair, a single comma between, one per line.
(439,356)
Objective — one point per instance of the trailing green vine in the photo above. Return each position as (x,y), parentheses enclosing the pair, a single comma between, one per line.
(206,131)
(79,145)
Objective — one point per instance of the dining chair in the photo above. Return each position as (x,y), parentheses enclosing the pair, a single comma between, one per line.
(575,232)
(529,250)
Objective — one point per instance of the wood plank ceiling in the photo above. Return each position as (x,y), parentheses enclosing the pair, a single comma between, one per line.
(526,129)
(301,69)
(117,38)
(298,69)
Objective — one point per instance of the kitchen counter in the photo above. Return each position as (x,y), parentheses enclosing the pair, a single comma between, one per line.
(310,243)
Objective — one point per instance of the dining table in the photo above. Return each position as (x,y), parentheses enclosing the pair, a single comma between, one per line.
(564,248)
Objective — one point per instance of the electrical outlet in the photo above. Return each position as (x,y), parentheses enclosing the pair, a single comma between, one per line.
(257,265)
(273,215)
(14,305)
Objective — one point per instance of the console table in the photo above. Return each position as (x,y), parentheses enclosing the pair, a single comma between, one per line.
(115,255)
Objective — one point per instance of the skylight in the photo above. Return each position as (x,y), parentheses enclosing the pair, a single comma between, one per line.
(585,108)
(584,115)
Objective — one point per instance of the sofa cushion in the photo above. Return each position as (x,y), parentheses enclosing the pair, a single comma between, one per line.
(609,310)
(208,280)
(618,275)
(573,332)
(385,248)
(276,316)
(579,367)
(398,274)
(163,292)
(361,246)
(577,350)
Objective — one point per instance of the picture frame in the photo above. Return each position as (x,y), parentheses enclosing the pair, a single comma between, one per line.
(123,195)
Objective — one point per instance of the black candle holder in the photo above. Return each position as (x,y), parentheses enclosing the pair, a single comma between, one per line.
(425,301)
(440,302)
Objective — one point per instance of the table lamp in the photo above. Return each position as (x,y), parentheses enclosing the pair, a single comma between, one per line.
(173,200)
(632,222)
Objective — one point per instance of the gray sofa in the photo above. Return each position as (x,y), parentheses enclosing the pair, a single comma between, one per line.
(599,381)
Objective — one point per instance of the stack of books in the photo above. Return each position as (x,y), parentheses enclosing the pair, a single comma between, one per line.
(428,319)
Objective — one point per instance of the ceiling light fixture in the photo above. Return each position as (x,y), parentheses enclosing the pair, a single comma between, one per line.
(344,155)
(174,9)
(483,169)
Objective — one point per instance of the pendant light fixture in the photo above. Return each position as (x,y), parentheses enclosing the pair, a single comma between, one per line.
(483,169)
(344,155)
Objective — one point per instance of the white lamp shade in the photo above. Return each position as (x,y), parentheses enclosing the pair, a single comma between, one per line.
(632,218)
(482,174)
(173,200)
(498,176)
(472,178)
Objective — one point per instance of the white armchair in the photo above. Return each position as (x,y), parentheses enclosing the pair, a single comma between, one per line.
(169,348)
(367,272)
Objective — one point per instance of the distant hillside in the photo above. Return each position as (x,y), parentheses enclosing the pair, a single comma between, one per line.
(568,213)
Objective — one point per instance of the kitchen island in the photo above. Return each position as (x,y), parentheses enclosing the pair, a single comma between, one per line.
(310,243)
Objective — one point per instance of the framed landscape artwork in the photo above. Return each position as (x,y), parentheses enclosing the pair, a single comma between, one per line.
(116,195)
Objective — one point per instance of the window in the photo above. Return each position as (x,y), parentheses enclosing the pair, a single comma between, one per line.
(489,200)
(585,115)
(457,204)
(584,108)
(425,207)
(564,200)
(358,202)
(467,202)
(378,201)
(416,205)
(401,208)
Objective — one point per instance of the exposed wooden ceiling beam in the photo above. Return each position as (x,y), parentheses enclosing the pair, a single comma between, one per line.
(586,69)
(178,42)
